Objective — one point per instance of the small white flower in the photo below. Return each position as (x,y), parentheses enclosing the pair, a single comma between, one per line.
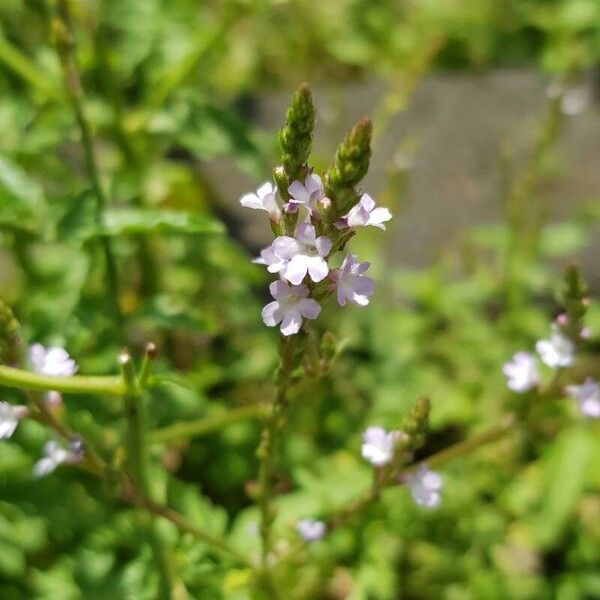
(53,361)
(352,285)
(425,486)
(300,255)
(9,418)
(365,213)
(53,455)
(378,445)
(311,530)
(557,351)
(290,306)
(521,372)
(264,199)
(308,194)
(588,397)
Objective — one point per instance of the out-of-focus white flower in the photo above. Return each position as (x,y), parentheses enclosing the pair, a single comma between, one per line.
(365,213)
(53,361)
(557,351)
(351,282)
(308,194)
(303,254)
(378,445)
(265,199)
(9,418)
(425,486)
(521,372)
(290,306)
(53,455)
(311,530)
(588,397)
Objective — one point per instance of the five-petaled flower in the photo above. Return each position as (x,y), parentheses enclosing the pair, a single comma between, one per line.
(588,397)
(306,253)
(264,199)
(308,194)
(521,372)
(557,351)
(53,361)
(352,285)
(425,486)
(365,213)
(290,306)
(378,445)
(311,530)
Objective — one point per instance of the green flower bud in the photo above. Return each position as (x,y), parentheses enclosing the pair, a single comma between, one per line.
(296,138)
(9,335)
(351,165)
(573,296)
(415,425)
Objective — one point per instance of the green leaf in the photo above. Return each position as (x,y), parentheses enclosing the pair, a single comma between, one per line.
(22,204)
(566,478)
(132,221)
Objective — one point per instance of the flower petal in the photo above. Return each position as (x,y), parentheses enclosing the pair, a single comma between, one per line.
(272,314)
(296,269)
(291,322)
(317,268)
(309,308)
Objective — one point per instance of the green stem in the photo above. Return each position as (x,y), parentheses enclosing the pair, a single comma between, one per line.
(138,458)
(469,445)
(266,454)
(205,425)
(73,87)
(19,64)
(78,384)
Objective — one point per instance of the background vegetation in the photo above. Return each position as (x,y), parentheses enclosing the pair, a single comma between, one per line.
(165,86)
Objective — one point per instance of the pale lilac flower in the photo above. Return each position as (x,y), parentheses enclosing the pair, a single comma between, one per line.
(521,372)
(301,255)
(365,213)
(311,530)
(264,199)
(352,285)
(588,397)
(54,455)
(308,194)
(9,418)
(290,306)
(425,486)
(378,445)
(269,258)
(557,351)
(53,361)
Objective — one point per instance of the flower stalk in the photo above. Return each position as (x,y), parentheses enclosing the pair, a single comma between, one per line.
(65,48)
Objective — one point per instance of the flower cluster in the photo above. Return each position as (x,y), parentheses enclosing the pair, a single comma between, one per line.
(558,351)
(303,258)
(379,449)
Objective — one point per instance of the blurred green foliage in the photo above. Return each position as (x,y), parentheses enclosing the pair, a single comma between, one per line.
(169,85)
